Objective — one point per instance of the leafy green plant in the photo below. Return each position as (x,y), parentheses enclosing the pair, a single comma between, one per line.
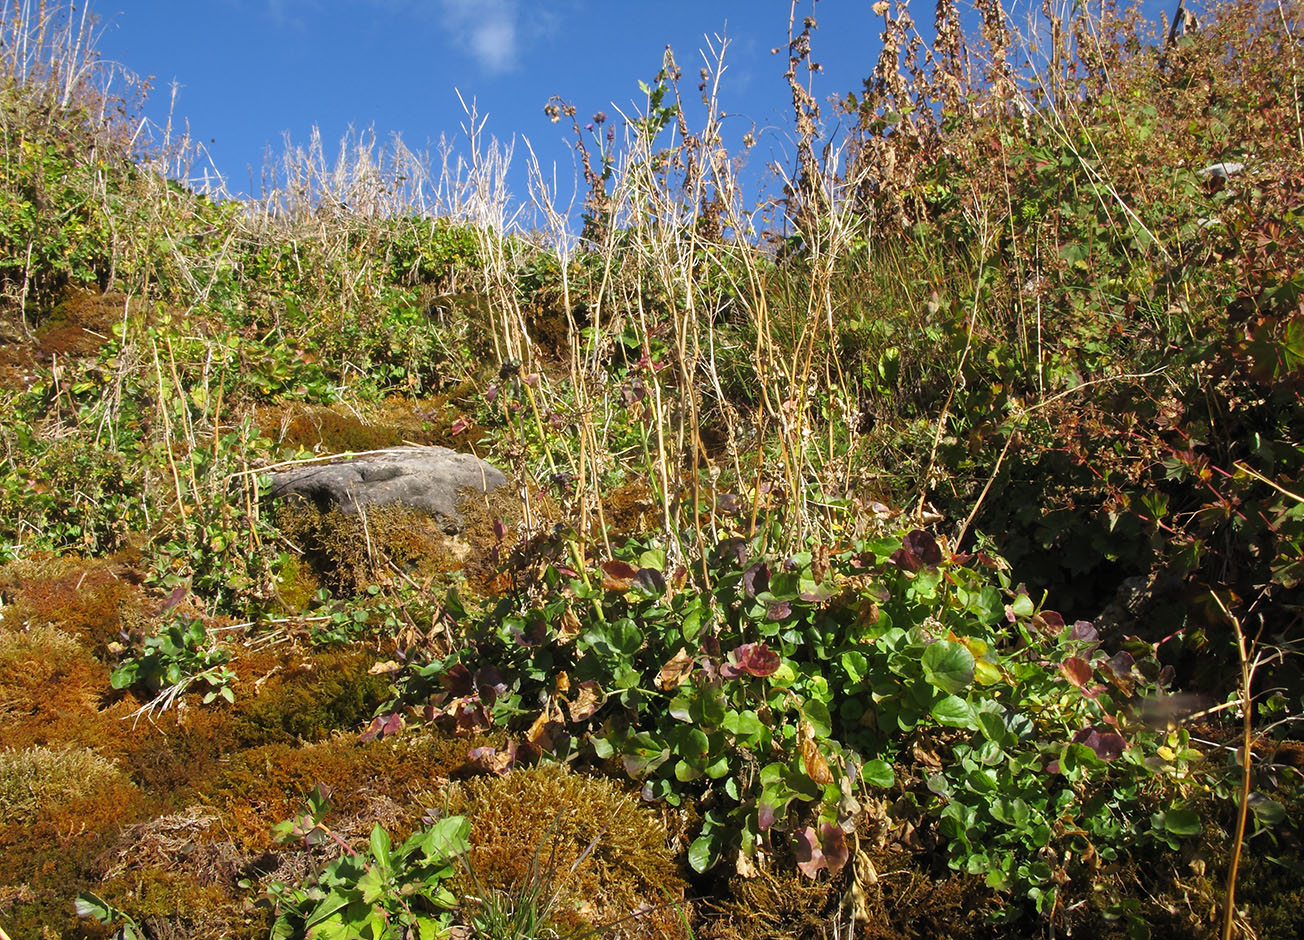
(181,654)
(91,905)
(381,892)
(776,699)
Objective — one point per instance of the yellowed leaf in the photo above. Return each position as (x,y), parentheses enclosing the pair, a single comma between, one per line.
(674,672)
(817,768)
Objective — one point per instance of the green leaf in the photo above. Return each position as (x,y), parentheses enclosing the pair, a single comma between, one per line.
(878,773)
(954,711)
(1179,822)
(448,838)
(855,665)
(817,713)
(124,676)
(94,906)
(700,853)
(1267,810)
(380,844)
(744,725)
(372,884)
(948,666)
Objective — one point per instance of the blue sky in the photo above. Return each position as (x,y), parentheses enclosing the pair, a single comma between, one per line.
(252,71)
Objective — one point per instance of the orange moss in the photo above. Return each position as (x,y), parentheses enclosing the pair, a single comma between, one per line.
(50,841)
(95,600)
(628,510)
(391,779)
(50,686)
(602,857)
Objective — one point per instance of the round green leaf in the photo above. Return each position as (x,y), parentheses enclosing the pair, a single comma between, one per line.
(878,773)
(948,666)
(1181,822)
(954,711)
(699,853)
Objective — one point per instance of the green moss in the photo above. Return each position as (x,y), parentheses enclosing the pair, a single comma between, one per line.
(296,586)
(175,903)
(628,867)
(310,699)
(348,552)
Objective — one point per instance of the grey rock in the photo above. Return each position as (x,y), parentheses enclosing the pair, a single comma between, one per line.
(1221,171)
(433,479)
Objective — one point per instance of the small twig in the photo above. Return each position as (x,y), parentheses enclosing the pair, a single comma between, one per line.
(1247,740)
(1242,466)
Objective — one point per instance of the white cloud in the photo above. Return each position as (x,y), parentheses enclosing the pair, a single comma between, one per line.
(486,28)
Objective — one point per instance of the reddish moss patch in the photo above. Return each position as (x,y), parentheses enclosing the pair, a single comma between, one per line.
(63,808)
(77,327)
(95,600)
(50,687)
(395,778)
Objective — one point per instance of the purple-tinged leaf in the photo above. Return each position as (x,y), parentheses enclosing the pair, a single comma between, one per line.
(918,550)
(1118,669)
(810,857)
(924,547)
(1078,671)
(756,659)
(756,579)
(764,816)
(833,842)
(1049,621)
(1084,631)
(458,680)
(172,600)
(618,575)
(383,726)
(1108,745)
(489,683)
(779,610)
(651,580)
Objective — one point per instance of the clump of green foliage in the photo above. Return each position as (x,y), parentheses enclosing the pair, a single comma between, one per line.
(383,891)
(180,654)
(777,695)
